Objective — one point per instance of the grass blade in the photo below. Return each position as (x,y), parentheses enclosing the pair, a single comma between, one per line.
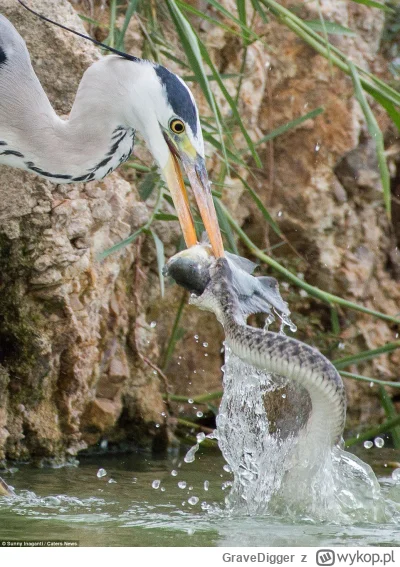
(368,379)
(376,135)
(290,125)
(117,247)
(365,355)
(176,333)
(330,27)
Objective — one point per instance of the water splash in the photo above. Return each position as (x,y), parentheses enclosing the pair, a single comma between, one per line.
(274,470)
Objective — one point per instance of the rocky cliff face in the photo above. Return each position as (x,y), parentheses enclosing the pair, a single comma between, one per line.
(77,345)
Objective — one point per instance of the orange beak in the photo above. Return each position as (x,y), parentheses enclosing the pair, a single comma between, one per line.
(197,174)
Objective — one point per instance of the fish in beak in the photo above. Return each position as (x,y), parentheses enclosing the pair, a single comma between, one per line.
(195,169)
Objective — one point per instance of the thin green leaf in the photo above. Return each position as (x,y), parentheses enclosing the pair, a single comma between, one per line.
(365,355)
(260,10)
(373,4)
(160,259)
(137,166)
(165,217)
(330,27)
(117,247)
(290,125)
(93,22)
(376,135)
(241,8)
(193,78)
(387,105)
(148,184)
(335,323)
(175,333)
(368,379)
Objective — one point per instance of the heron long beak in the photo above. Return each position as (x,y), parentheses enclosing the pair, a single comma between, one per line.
(196,172)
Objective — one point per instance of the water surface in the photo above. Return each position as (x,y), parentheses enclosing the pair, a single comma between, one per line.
(123,509)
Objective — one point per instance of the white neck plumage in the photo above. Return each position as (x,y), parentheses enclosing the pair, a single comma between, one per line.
(92,142)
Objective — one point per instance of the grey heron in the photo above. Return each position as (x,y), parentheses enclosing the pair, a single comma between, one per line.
(118,96)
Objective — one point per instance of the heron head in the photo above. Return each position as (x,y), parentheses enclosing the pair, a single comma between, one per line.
(169,122)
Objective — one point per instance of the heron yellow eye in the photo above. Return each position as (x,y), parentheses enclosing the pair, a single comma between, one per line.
(177,126)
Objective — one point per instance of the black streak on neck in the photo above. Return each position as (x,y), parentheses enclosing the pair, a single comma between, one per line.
(3,57)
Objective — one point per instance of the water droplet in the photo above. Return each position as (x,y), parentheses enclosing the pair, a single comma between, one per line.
(396,475)
(226,485)
(199,414)
(157,425)
(101,473)
(227,468)
(162,489)
(104,444)
(283,396)
(270,319)
(156,484)
(190,401)
(182,484)
(371,384)
(174,472)
(163,414)
(206,485)
(112,481)
(368,444)
(379,442)
(193,500)
(200,437)
(190,455)
(196,337)
(317,147)
(153,324)
(280,213)
(205,345)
